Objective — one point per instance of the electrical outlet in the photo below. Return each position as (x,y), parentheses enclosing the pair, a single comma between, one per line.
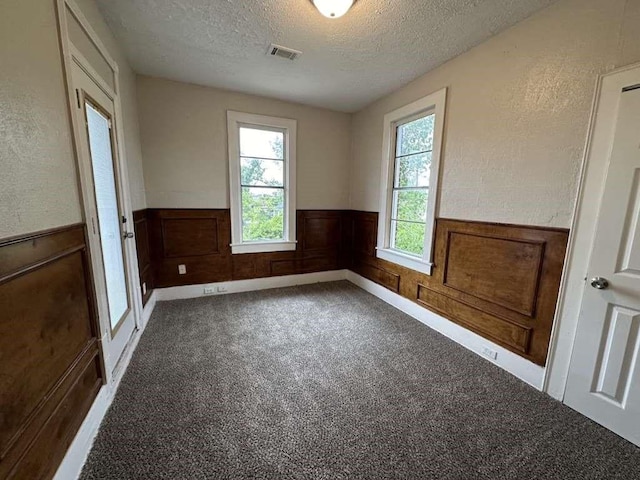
(489,353)
(209,290)
(182,269)
(222,289)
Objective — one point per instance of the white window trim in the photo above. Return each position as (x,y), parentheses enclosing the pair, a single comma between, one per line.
(431,103)
(234,121)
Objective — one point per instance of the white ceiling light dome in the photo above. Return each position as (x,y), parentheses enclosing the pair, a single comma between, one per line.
(333,8)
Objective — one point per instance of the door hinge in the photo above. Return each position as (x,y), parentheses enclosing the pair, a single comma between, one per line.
(78,97)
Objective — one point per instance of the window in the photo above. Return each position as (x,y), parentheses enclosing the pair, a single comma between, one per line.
(411,159)
(262,182)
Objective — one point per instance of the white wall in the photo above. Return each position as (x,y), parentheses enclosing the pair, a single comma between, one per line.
(37,172)
(184,145)
(38,182)
(517,114)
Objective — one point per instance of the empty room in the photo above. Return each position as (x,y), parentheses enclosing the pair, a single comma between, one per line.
(319,239)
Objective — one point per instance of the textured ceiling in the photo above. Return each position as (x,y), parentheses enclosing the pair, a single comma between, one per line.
(346,63)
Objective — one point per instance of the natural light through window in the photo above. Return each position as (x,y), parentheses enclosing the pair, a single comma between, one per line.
(414,147)
(262,182)
(410,171)
(261,165)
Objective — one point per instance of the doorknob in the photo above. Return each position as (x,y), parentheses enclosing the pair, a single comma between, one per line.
(600,283)
(128,235)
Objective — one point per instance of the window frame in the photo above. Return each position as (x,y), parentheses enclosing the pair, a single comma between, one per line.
(235,120)
(433,103)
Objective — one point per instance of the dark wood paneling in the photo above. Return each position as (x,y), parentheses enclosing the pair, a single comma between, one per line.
(48,340)
(365,234)
(320,231)
(189,237)
(500,281)
(43,457)
(141,226)
(200,239)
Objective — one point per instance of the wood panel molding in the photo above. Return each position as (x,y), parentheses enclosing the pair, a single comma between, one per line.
(365,234)
(497,329)
(141,229)
(514,264)
(500,281)
(48,310)
(379,275)
(320,230)
(200,239)
(189,237)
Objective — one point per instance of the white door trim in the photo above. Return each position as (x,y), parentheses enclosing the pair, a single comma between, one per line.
(592,180)
(70,56)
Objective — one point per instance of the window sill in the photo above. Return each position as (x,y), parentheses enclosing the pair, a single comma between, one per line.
(262,247)
(408,261)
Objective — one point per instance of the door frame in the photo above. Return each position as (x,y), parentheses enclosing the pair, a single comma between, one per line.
(70,56)
(595,162)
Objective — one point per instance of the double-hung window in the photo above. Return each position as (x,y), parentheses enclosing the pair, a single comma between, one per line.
(262,182)
(410,170)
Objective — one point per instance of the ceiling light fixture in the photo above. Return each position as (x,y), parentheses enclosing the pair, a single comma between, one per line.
(333,8)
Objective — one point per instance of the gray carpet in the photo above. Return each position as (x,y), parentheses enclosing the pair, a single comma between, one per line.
(328,382)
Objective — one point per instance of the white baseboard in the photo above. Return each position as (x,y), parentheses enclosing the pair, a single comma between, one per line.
(78,451)
(525,370)
(237,286)
(148,308)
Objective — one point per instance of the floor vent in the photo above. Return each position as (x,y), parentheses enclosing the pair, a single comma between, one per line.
(283,52)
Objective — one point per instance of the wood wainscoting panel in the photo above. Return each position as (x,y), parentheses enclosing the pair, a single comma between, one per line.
(500,281)
(504,271)
(259,265)
(198,239)
(285,266)
(141,226)
(379,275)
(321,246)
(189,237)
(497,329)
(48,346)
(319,230)
(365,234)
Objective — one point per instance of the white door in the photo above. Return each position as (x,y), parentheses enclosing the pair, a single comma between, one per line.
(108,224)
(604,376)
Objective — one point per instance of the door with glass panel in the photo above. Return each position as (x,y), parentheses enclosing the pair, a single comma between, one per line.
(107,221)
